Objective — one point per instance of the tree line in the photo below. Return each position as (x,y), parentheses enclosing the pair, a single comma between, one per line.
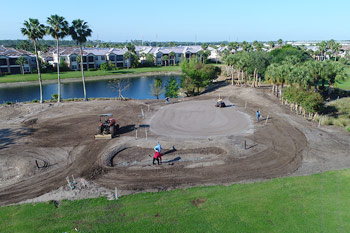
(295,67)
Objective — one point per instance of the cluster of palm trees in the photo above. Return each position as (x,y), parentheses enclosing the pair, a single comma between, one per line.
(330,48)
(305,75)
(58,28)
(251,66)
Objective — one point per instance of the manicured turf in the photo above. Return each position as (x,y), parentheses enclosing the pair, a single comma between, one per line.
(77,74)
(344,84)
(316,203)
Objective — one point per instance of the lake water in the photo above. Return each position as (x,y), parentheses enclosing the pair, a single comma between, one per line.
(140,88)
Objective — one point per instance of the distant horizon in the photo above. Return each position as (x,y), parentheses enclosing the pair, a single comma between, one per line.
(199,42)
(185,21)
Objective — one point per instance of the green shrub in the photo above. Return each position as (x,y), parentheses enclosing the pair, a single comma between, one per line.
(54,96)
(309,100)
(35,101)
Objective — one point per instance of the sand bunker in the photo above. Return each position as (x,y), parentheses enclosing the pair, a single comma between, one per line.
(199,119)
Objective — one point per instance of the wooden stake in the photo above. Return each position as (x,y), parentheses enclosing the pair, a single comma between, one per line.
(116,193)
(267,118)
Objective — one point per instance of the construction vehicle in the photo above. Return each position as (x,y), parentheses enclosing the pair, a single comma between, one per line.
(220,103)
(107,127)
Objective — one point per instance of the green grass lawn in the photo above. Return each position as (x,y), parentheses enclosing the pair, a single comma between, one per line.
(344,84)
(77,74)
(316,203)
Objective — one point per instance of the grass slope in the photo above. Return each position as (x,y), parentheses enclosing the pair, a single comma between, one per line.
(77,74)
(344,84)
(340,115)
(316,203)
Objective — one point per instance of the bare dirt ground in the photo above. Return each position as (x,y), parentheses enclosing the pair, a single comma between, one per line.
(211,151)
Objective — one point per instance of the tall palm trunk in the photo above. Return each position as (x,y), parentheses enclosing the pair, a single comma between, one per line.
(39,73)
(232,76)
(82,71)
(253,83)
(58,73)
(238,76)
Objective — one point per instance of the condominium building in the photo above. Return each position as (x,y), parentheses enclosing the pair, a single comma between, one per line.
(92,57)
(174,54)
(8,61)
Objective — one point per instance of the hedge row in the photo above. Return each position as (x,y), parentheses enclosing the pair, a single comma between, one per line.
(311,101)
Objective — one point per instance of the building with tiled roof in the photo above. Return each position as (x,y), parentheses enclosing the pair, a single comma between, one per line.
(94,57)
(8,61)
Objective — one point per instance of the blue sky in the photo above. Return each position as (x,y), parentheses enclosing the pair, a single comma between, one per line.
(189,20)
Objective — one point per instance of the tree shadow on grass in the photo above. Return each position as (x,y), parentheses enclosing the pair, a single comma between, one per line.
(215,86)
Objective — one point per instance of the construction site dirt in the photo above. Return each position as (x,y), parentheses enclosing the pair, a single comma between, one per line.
(42,144)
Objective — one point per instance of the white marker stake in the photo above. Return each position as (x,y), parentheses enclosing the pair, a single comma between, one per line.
(136,134)
(142,114)
(267,118)
(148,107)
(116,193)
(146,132)
(245,105)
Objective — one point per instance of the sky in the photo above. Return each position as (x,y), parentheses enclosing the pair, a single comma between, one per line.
(188,20)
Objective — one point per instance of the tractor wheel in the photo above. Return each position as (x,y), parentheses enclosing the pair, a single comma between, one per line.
(99,130)
(116,129)
(112,130)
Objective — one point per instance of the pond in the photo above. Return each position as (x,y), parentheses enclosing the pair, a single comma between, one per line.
(139,88)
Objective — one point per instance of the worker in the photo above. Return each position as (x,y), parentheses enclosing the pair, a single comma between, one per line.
(258,115)
(157,156)
(158,148)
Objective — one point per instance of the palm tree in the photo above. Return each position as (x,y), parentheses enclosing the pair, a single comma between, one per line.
(200,53)
(235,46)
(280,42)
(128,56)
(272,76)
(58,29)
(172,55)
(204,46)
(271,44)
(337,47)
(322,47)
(79,32)
(21,61)
(165,58)
(34,31)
